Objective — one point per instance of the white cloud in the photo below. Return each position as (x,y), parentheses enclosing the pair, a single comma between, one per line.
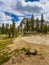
(3,17)
(22,8)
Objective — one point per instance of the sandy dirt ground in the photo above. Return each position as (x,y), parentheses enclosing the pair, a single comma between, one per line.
(40,43)
(36,39)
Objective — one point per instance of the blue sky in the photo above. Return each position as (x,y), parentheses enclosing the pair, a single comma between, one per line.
(31,0)
(19,9)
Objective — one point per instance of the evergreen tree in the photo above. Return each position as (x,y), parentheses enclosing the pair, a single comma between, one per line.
(27,26)
(48,28)
(7,28)
(13,28)
(32,23)
(3,29)
(37,25)
(10,31)
(42,23)
(45,29)
(0,29)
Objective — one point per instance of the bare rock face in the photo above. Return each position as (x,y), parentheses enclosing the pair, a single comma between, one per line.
(22,24)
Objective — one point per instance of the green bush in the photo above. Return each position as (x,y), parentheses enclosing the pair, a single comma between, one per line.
(29,51)
(33,52)
(3,59)
(24,49)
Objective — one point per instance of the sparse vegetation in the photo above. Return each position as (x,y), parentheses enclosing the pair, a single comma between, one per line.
(26,51)
(29,51)
(4,58)
(4,42)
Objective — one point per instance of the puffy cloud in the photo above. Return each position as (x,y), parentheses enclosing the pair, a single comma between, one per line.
(31,9)
(21,9)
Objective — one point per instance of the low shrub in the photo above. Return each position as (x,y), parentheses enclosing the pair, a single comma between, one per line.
(3,59)
(24,49)
(29,51)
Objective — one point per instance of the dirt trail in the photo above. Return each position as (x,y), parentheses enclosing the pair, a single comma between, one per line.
(17,43)
(31,42)
(42,59)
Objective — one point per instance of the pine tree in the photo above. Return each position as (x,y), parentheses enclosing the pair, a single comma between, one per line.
(0,29)
(48,28)
(7,28)
(13,28)
(3,29)
(10,31)
(42,23)
(45,29)
(27,26)
(32,23)
(37,25)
